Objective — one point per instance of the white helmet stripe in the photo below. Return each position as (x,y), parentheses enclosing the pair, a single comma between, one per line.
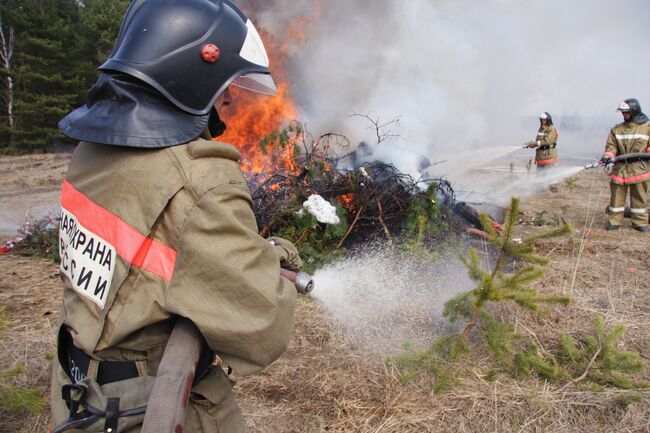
(253,48)
(543,116)
(624,107)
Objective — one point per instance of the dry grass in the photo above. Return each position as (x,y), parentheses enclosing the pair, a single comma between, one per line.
(328,381)
(30,290)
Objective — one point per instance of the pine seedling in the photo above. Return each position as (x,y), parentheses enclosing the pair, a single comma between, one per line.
(597,359)
(495,285)
(413,362)
(12,398)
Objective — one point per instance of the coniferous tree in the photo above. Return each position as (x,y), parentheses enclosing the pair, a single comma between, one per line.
(57,46)
(46,75)
(100,24)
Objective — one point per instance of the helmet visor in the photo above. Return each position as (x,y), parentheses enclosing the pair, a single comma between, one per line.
(260,83)
(624,107)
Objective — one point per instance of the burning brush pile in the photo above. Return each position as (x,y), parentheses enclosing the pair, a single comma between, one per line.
(304,191)
(305,194)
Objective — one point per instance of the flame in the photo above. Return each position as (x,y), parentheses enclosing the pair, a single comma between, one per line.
(251,117)
(347,201)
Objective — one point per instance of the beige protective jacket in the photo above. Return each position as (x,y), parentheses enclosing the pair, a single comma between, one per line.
(545,145)
(629,137)
(147,235)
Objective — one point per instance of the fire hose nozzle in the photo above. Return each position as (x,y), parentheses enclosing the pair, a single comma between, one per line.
(304,282)
(595,164)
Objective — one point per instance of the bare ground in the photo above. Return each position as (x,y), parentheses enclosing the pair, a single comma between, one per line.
(324,382)
(30,187)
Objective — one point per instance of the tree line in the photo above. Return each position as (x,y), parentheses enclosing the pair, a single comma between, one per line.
(49,54)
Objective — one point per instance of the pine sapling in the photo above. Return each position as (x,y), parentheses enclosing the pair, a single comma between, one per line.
(13,398)
(597,359)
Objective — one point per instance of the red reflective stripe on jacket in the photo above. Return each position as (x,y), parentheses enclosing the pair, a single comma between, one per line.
(137,249)
(546,161)
(626,180)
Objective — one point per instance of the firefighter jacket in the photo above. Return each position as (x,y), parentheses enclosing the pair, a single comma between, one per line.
(624,138)
(148,235)
(545,145)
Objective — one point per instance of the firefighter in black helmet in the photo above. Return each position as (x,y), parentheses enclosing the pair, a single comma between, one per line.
(631,136)
(545,143)
(156,224)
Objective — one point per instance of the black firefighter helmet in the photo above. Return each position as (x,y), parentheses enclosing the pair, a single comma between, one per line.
(546,116)
(171,61)
(632,106)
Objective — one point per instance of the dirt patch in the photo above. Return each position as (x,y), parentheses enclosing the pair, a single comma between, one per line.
(30,186)
(326,381)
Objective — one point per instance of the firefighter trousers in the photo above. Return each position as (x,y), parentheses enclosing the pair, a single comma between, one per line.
(638,203)
(212,406)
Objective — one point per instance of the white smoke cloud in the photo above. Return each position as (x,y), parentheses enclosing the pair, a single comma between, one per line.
(462,74)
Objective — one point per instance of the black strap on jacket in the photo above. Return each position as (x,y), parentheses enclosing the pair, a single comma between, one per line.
(75,363)
(107,372)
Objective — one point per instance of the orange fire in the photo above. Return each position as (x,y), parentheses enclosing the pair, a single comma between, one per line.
(252,117)
(347,201)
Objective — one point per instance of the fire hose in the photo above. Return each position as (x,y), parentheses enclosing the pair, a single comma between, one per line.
(171,390)
(627,158)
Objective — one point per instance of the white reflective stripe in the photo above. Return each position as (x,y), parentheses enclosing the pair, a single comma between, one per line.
(617,209)
(633,137)
(637,210)
(541,134)
(624,106)
(253,48)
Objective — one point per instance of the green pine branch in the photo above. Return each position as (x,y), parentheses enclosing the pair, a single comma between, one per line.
(596,358)
(12,398)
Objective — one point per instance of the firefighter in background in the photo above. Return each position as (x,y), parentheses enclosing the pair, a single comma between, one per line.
(546,142)
(631,136)
(157,224)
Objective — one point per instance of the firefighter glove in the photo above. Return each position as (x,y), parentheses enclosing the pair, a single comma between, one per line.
(287,252)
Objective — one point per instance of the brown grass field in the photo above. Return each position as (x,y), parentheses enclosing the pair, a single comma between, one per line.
(326,382)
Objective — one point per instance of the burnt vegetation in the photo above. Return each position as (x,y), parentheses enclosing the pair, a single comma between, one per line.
(373,200)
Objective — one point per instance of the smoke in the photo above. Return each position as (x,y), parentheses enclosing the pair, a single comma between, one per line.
(464,75)
(383,298)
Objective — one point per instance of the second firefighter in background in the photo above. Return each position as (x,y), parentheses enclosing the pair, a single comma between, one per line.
(545,143)
(631,136)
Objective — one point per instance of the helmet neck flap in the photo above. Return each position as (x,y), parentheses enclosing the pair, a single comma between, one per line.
(123,111)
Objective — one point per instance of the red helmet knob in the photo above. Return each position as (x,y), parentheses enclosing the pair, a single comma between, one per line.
(210,53)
